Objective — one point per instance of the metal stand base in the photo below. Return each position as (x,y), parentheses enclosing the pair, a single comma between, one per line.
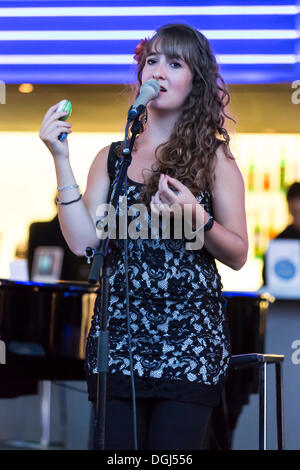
(261,361)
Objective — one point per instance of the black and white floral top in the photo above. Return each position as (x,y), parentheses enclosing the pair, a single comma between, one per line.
(179,331)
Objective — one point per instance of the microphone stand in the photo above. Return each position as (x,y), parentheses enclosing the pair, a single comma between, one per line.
(101,268)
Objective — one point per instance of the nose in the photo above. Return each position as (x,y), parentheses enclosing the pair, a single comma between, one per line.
(159,72)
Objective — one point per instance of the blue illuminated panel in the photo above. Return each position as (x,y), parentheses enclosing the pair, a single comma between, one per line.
(93,41)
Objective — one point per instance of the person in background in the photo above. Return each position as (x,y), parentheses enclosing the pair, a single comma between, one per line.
(49,233)
(292,231)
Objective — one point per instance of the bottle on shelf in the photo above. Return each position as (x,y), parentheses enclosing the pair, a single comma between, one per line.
(251,177)
(266,181)
(282,182)
(272,232)
(257,240)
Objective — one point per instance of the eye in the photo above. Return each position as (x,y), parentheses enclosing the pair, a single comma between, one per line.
(175,64)
(151,61)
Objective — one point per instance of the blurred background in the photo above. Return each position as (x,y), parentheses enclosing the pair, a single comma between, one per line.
(265,144)
(83,51)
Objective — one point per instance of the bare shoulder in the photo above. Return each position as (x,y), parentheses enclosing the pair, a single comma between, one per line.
(98,167)
(103,153)
(226,168)
(228,177)
(100,159)
(229,192)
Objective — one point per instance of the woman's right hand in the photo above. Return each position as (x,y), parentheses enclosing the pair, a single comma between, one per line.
(51,129)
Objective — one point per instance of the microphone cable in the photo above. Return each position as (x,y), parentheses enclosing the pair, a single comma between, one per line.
(128,313)
(129,331)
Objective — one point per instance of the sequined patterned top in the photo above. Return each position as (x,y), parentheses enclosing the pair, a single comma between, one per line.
(179,331)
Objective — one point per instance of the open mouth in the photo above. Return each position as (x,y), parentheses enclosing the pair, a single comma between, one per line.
(162,89)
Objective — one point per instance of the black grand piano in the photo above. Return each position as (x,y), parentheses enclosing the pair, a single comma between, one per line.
(44,326)
(44,329)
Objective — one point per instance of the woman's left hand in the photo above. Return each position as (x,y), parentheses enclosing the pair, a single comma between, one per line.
(165,197)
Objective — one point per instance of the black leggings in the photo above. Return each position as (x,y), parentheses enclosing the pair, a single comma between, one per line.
(161,424)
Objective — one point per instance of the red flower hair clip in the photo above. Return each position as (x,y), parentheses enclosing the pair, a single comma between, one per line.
(139,50)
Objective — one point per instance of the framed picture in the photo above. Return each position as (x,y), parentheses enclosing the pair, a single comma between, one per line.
(283,264)
(47,263)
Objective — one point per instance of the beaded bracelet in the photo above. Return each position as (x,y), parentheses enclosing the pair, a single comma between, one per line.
(67,188)
(67,203)
(199,228)
(207,225)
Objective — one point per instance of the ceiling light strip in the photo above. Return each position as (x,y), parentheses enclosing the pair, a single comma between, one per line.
(127,59)
(150,11)
(136,35)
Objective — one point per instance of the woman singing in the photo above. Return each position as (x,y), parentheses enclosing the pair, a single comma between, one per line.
(179,334)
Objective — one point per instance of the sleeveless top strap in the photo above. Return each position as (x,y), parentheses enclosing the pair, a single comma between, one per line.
(111,159)
(218,142)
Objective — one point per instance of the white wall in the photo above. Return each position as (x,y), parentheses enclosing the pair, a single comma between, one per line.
(28,183)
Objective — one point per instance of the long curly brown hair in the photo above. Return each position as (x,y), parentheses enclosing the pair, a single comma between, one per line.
(190,153)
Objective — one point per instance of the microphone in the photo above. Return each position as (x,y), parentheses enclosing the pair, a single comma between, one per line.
(148,91)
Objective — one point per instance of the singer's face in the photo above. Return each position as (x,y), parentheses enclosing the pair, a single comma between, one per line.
(175,78)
